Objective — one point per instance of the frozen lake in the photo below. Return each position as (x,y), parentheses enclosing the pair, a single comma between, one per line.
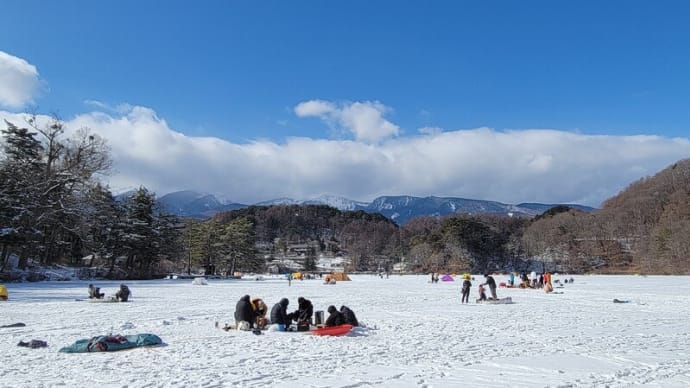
(417,334)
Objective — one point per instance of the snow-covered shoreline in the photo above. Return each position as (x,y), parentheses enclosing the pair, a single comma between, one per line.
(417,334)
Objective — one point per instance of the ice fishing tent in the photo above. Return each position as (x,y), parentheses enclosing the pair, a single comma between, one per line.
(447,278)
(3,293)
(339,276)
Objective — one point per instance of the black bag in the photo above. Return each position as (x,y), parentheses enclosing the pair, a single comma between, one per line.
(303,326)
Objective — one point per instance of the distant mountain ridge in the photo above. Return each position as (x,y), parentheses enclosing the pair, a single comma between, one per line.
(399,208)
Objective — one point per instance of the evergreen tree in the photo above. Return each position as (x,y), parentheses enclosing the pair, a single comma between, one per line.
(237,244)
(20,174)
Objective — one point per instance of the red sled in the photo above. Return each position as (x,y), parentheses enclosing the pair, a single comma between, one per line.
(332,330)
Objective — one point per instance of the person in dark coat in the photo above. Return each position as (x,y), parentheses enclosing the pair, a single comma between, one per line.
(335,318)
(466,285)
(492,285)
(304,312)
(244,314)
(123,293)
(349,316)
(279,314)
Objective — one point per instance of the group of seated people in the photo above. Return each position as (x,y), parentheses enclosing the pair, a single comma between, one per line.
(250,314)
(121,295)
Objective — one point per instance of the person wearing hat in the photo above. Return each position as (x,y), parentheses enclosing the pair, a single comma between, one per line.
(466,284)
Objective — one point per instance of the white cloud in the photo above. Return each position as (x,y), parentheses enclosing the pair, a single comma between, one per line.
(19,81)
(430,130)
(364,120)
(314,108)
(516,166)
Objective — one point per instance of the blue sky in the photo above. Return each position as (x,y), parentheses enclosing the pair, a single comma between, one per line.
(382,79)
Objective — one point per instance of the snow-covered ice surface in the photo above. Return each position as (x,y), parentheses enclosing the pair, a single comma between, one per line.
(417,334)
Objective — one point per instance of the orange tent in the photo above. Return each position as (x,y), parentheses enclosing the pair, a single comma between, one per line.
(339,276)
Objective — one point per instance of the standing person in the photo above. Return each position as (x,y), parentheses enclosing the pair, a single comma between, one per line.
(335,318)
(244,314)
(489,281)
(466,284)
(280,316)
(289,278)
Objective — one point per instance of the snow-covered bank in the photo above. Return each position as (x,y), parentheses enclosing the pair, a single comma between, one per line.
(418,334)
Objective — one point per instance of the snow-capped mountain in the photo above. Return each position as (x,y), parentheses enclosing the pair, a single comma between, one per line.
(336,202)
(189,203)
(400,208)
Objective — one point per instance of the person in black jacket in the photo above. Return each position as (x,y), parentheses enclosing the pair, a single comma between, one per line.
(492,285)
(279,314)
(349,316)
(244,314)
(466,285)
(123,294)
(304,312)
(336,318)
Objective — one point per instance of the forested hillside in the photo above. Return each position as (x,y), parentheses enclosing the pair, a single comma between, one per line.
(644,229)
(55,210)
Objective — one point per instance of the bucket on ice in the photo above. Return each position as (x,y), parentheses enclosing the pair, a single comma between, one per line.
(318,317)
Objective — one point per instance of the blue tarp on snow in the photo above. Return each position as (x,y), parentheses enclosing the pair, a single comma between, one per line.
(111,343)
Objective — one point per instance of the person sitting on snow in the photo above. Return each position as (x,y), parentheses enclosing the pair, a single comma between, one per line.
(244,314)
(482,293)
(260,310)
(349,316)
(123,294)
(304,312)
(280,316)
(95,292)
(336,318)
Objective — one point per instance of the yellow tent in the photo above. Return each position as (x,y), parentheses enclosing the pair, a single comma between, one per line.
(297,275)
(3,293)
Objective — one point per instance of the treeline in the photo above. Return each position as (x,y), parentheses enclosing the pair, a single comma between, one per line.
(54,210)
(643,229)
